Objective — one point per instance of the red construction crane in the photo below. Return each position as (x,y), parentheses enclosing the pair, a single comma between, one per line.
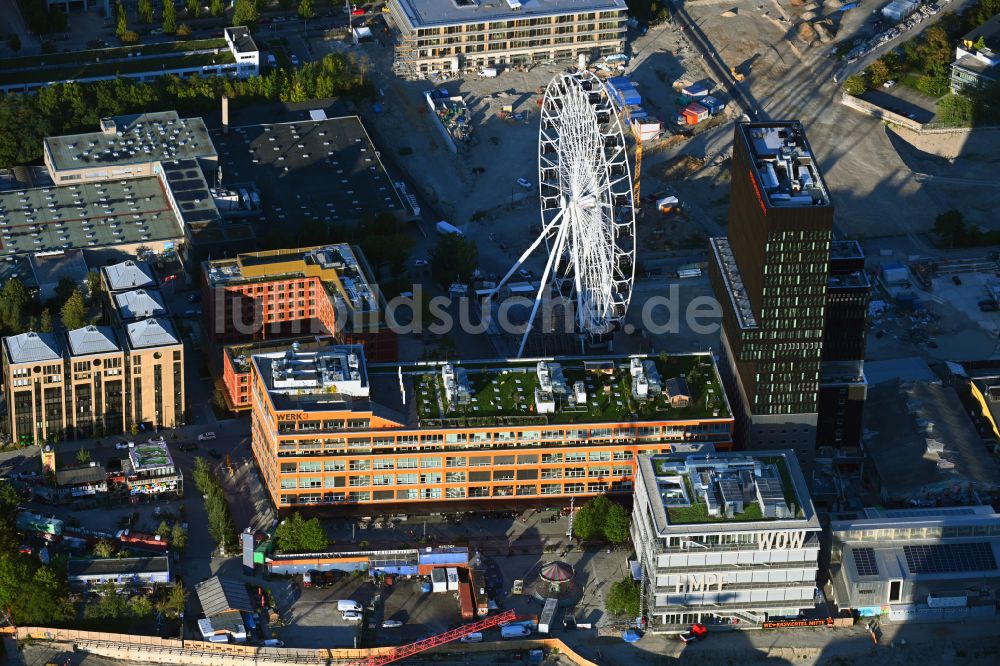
(404,651)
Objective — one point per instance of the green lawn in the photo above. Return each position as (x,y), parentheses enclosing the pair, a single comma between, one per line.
(122,67)
(698,513)
(91,56)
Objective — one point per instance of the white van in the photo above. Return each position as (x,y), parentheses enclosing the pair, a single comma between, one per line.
(514,631)
(474,637)
(348,605)
(352,616)
(273,642)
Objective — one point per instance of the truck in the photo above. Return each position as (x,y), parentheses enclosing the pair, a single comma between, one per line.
(488,72)
(548,615)
(465,600)
(445,228)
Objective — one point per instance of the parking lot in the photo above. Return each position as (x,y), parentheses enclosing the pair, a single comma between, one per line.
(905,101)
(310,616)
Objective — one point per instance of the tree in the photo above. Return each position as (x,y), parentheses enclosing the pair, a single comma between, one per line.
(93,286)
(43,600)
(602,518)
(163,531)
(140,606)
(121,20)
(184,30)
(617,523)
(103,549)
(14,299)
(130,37)
(295,535)
(45,326)
(109,606)
(217,9)
(74,312)
(245,12)
(194,8)
(83,456)
(855,85)
(587,521)
(454,259)
(169,17)
(623,598)
(145,11)
(878,73)
(14,42)
(306,10)
(178,537)
(172,603)
(950,228)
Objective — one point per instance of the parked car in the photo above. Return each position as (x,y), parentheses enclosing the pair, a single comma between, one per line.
(474,637)
(524,273)
(420,263)
(273,642)
(295,60)
(391,624)
(525,183)
(888,84)
(206,436)
(352,616)
(122,445)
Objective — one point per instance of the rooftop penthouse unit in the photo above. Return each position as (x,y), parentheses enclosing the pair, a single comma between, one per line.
(724,536)
(592,415)
(783,165)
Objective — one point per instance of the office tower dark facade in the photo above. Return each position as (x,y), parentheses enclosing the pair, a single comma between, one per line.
(843,388)
(770,276)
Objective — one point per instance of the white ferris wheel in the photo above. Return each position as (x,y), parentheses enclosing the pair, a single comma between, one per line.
(588,219)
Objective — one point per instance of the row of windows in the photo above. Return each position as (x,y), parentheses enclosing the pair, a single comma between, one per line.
(434,462)
(522,490)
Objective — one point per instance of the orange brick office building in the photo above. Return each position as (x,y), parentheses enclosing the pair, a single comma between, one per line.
(329,429)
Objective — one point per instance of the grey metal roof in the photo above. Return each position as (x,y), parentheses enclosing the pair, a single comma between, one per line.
(114,566)
(92,340)
(152,332)
(33,347)
(912,368)
(436,12)
(324,171)
(219,595)
(140,303)
(128,274)
(86,215)
(80,476)
(136,139)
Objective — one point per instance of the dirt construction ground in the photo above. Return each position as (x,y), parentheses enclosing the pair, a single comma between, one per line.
(880,185)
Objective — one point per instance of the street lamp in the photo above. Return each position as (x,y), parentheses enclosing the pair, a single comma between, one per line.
(182,629)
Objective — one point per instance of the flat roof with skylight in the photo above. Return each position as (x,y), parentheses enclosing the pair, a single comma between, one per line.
(785,168)
(134,139)
(86,215)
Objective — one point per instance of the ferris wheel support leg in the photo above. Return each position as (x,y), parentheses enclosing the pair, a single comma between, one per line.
(553,259)
(527,253)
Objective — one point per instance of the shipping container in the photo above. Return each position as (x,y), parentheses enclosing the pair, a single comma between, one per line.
(697,109)
(689,117)
(713,105)
(439,580)
(465,600)
(452,577)
(548,615)
(695,90)
(479,597)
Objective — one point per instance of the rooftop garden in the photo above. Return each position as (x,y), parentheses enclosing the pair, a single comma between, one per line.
(72,72)
(104,55)
(697,511)
(509,393)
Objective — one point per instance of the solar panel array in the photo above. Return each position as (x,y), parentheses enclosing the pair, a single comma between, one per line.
(864,561)
(951,557)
